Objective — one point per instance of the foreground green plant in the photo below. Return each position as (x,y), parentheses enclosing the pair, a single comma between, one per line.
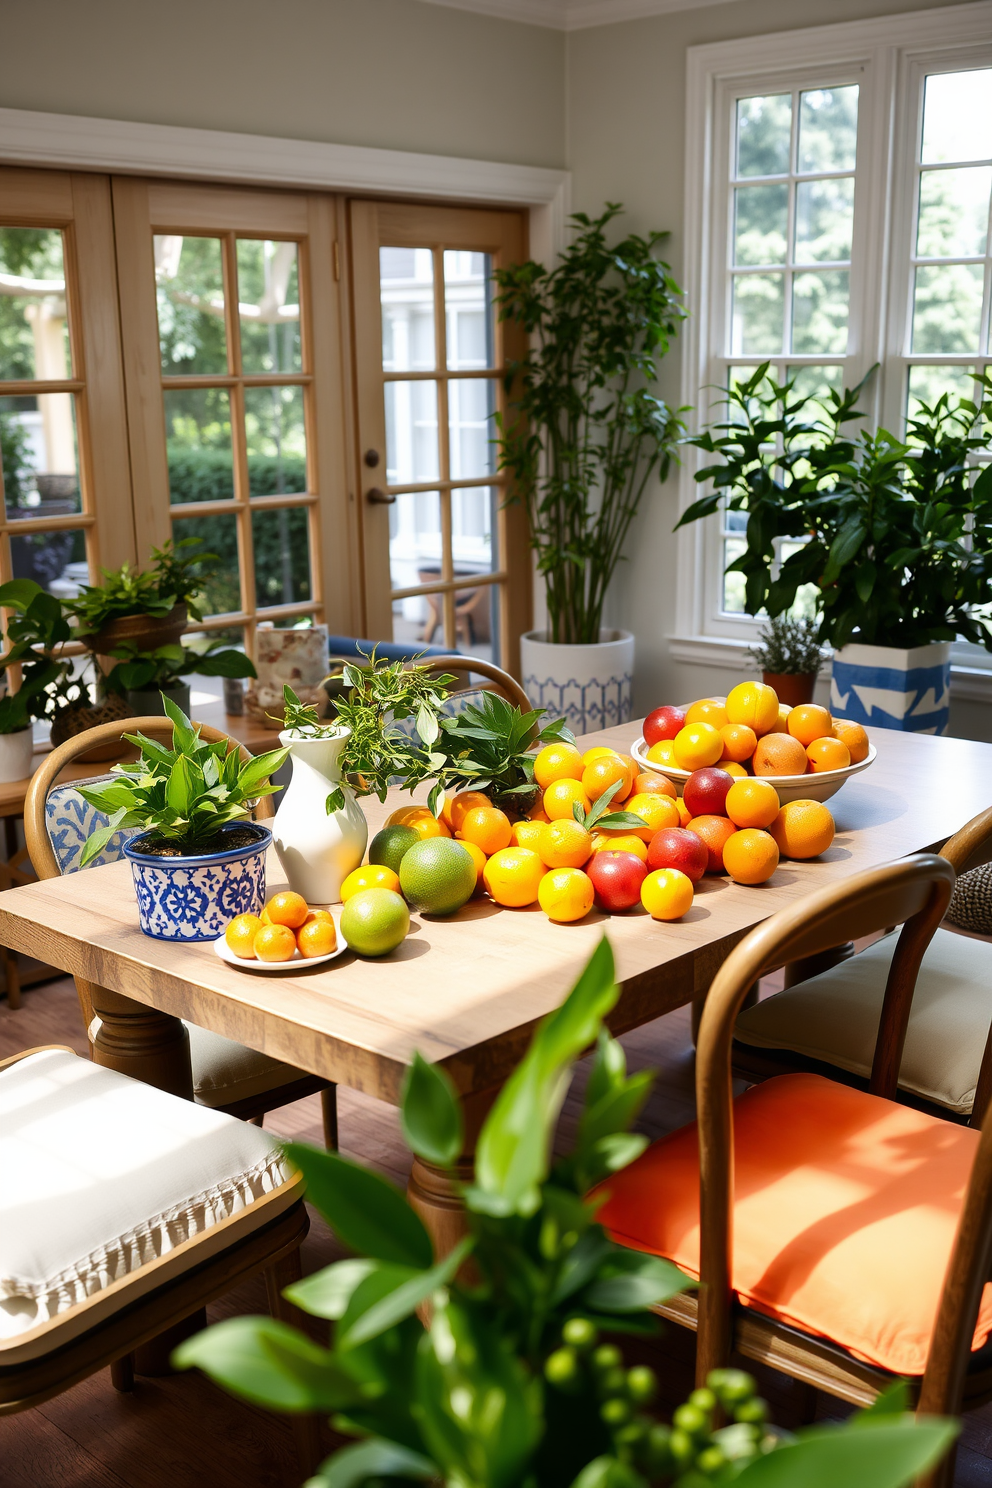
(181,796)
(36,630)
(509,1384)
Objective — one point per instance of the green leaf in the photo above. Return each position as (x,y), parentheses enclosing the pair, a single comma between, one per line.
(616,1109)
(895,1401)
(407,1291)
(183,734)
(269,1363)
(97,841)
(258,770)
(367,1213)
(427,724)
(352,1466)
(609,1472)
(179,790)
(640,1281)
(431,1114)
(17,594)
(599,806)
(335,801)
(614,821)
(887,1455)
(327,1293)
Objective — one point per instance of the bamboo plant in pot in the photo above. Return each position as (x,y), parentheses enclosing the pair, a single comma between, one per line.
(585,434)
(896,535)
(36,629)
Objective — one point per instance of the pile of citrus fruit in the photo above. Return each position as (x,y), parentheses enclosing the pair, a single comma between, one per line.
(286,925)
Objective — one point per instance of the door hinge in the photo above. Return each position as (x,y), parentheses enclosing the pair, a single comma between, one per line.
(337,259)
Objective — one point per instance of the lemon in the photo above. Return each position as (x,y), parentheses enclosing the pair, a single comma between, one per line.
(438,875)
(374,922)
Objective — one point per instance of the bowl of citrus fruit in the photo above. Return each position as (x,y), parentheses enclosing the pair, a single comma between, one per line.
(288,931)
(803,752)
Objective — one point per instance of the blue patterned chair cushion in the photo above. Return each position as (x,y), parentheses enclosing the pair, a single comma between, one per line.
(71,820)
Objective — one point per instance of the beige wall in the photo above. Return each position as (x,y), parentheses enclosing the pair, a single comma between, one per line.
(391,73)
(626,142)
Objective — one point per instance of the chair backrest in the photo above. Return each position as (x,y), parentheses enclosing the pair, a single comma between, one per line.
(502,682)
(913,892)
(972,846)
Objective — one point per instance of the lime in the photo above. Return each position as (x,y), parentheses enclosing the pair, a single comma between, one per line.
(389,846)
(438,875)
(374,922)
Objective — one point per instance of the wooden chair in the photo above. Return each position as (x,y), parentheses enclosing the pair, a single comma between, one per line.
(226,1075)
(829,1021)
(688,1179)
(502,682)
(58,1327)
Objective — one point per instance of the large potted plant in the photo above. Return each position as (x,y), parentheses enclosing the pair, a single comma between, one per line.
(896,535)
(36,630)
(585,435)
(198,859)
(143,609)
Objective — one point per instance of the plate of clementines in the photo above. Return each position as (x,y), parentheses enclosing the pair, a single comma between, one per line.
(805,753)
(287,932)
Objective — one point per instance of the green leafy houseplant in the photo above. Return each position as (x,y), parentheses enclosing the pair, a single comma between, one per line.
(788,646)
(162,669)
(177,576)
(898,533)
(587,431)
(508,1384)
(36,630)
(181,797)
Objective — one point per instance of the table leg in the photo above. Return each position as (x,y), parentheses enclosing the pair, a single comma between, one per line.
(141,1042)
(434,1192)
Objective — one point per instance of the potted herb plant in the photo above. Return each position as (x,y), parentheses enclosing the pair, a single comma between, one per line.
(895,534)
(143,609)
(198,859)
(508,1383)
(36,629)
(145,678)
(788,653)
(586,434)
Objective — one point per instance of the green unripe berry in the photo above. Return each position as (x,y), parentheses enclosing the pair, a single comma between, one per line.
(631,1435)
(562,1368)
(690,1419)
(642,1384)
(607,1356)
(657,1450)
(710,1460)
(614,1412)
(753,1412)
(613,1382)
(682,1447)
(580,1333)
(731,1385)
(703,1400)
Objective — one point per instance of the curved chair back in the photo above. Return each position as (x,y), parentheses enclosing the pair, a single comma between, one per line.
(972,846)
(502,682)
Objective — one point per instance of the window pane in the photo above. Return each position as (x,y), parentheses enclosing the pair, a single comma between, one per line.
(471,406)
(948,308)
(406,290)
(198,441)
(277,446)
(218,535)
(415,542)
(819,311)
(759,305)
(189,281)
(957,116)
(419,621)
(281,540)
(269,306)
(38,455)
(34,335)
(55,560)
(815,382)
(828,129)
(824,220)
(954,213)
(760,224)
(411,432)
(733,583)
(763,134)
(926,384)
(473,529)
(469,311)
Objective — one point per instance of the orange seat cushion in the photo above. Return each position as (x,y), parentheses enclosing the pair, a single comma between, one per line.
(845,1212)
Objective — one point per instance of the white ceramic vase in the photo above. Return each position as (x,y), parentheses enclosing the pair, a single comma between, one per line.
(590,686)
(317,850)
(15,755)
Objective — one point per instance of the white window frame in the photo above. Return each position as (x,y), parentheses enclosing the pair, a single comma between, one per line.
(888,57)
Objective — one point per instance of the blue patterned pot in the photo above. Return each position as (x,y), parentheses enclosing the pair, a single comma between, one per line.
(195,898)
(890,688)
(590,686)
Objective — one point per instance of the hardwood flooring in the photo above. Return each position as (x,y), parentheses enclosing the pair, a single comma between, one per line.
(182,1432)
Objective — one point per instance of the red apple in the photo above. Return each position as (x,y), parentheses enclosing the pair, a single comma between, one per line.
(676,847)
(705,792)
(663,723)
(616,878)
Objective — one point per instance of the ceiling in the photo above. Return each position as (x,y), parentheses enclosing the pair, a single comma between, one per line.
(573,15)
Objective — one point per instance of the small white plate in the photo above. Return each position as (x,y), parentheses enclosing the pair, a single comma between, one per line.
(295,962)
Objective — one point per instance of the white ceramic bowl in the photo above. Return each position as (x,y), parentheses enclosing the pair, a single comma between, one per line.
(817,787)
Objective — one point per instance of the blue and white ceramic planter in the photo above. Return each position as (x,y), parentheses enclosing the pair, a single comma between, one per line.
(590,686)
(195,898)
(890,688)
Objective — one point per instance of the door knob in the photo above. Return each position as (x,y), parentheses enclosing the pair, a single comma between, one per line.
(379,498)
(371,458)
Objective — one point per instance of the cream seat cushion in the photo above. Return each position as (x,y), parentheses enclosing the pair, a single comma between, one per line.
(225,1071)
(101,1174)
(834,1017)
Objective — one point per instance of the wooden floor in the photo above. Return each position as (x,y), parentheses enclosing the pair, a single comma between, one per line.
(183,1432)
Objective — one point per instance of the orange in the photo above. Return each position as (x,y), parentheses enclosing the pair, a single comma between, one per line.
(715,831)
(317,938)
(274,943)
(750,856)
(753,703)
(828,754)
(287,909)
(620,842)
(527,833)
(598,751)
(782,727)
(557,762)
(564,844)
(370,876)
(779,754)
(565,894)
(264,917)
(423,822)
(537,812)
(604,772)
(666,894)
(854,736)
(513,876)
(240,935)
(479,859)
(803,829)
(456,806)
(752,803)
(685,815)
(486,826)
(317,914)
(663,753)
(808,722)
(632,769)
(739,742)
(649,784)
(707,710)
(697,745)
(657,812)
(560,797)
(731,767)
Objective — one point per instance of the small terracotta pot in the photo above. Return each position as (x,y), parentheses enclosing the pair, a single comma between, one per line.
(793,688)
(143,632)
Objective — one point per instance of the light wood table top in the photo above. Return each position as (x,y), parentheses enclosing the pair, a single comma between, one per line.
(466,991)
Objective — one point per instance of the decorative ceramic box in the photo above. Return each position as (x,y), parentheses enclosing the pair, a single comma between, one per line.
(885,687)
(195,898)
(296,657)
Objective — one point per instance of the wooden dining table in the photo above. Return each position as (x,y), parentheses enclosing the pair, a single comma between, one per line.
(467,990)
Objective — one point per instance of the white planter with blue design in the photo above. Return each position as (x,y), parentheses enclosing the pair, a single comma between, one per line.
(885,687)
(195,898)
(591,687)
